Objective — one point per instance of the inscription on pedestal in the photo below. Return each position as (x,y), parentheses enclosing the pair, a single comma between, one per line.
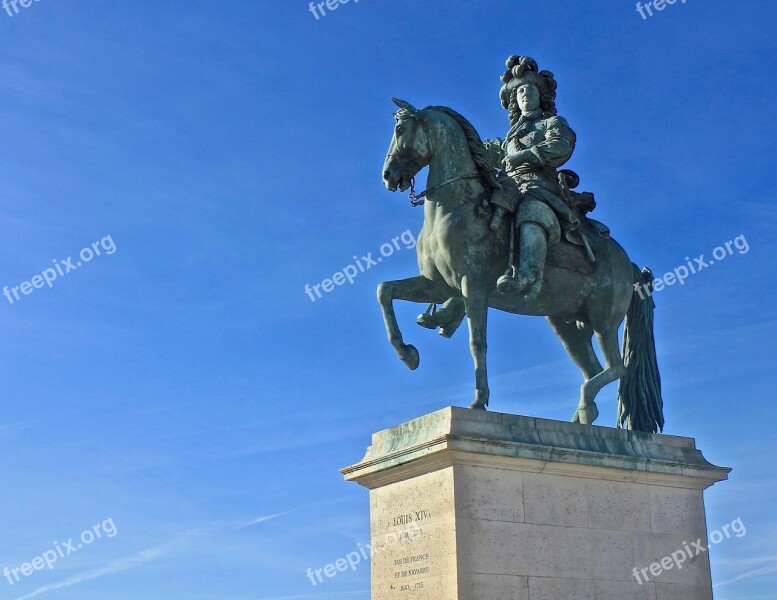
(412,565)
(420,565)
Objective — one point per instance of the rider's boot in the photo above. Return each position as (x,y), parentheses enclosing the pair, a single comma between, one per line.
(533,250)
(447,318)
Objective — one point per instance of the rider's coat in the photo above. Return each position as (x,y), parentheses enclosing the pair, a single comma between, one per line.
(543,143)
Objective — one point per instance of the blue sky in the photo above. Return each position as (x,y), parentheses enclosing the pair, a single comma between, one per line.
(185,387)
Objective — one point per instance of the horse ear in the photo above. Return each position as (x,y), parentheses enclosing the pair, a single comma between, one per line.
(406,105)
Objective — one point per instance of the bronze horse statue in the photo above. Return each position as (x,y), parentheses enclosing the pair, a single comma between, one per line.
(460,257)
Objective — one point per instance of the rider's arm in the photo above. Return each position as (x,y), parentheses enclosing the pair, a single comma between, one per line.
(558,145)
(554,150)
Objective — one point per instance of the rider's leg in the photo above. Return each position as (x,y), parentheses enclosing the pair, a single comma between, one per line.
(533,244)
(504,200)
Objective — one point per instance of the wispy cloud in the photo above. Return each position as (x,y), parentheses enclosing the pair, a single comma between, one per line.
(142,558)
(116,566)
(772,568)
(12,427)
(263,519)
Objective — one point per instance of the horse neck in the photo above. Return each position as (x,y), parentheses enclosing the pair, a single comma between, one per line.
(451,157)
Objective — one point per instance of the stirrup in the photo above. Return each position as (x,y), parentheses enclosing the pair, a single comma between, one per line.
(427,319)
(513,283)
(508,283)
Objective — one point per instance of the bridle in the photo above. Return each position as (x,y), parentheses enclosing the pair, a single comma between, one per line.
(419,199)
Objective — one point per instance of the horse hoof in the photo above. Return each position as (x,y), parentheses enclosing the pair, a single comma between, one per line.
(587,415)
(481,401)
(410,357)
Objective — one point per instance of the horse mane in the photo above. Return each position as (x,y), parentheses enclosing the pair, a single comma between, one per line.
(476,147)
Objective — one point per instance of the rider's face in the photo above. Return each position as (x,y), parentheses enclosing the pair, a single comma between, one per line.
(528,97)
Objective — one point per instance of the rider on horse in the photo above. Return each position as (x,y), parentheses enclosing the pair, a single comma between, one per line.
(583,281)
(534,194)
(537,144)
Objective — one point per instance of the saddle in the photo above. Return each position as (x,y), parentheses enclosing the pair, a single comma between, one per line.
(577,248)
(570,252)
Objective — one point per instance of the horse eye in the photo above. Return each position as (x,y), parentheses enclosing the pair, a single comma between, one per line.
(400,130)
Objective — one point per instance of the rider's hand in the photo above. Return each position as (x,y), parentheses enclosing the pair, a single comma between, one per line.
(511,160)
(521,157)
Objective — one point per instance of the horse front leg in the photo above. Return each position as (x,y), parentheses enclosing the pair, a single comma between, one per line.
(413,289)
(476,303)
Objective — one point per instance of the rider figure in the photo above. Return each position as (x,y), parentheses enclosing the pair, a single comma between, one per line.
(538,143)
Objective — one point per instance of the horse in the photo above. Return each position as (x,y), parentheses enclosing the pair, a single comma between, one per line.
(459,256)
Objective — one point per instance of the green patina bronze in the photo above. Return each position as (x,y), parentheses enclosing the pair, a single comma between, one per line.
(504,229)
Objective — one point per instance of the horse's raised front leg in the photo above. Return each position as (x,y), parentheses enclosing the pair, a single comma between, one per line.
(413,289)
(476,303)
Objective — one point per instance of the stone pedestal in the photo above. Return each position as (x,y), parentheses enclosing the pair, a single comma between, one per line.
(472,505)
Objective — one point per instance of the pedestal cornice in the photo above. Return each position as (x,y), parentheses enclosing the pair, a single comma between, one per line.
(461,436)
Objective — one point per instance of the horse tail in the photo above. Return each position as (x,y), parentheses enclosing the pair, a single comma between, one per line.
(640,405)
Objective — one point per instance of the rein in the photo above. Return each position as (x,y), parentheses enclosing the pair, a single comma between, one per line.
(418,199)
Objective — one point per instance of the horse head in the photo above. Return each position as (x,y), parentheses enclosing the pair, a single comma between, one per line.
(410,149)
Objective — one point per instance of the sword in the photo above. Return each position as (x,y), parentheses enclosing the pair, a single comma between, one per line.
(562,180)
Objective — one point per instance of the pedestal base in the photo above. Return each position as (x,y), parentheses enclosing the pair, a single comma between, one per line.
(471,505)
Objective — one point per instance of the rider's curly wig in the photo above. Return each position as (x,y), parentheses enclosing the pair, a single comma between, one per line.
(523,69)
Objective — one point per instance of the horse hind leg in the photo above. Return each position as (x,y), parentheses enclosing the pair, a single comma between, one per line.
(614,370)
(576,339)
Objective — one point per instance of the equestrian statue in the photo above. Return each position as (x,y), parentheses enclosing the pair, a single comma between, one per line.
(504,228)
